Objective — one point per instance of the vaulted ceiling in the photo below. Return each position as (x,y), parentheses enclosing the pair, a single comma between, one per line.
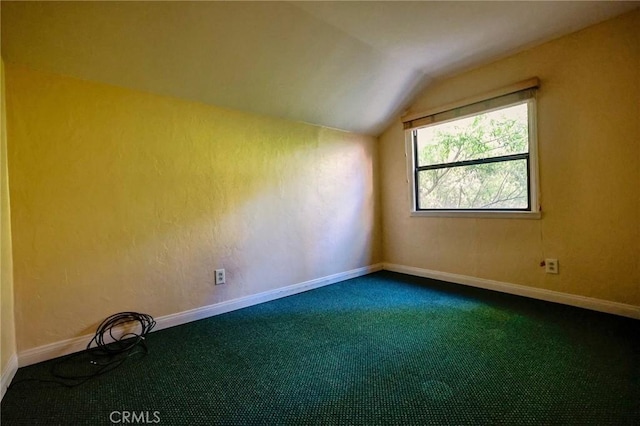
(348,65)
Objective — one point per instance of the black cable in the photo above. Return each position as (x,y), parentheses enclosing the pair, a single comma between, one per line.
(105,352)
(120,345)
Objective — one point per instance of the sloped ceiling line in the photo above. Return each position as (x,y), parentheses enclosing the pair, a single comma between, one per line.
(346,65)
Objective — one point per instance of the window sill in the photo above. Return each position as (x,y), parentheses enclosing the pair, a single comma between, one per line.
(479,214)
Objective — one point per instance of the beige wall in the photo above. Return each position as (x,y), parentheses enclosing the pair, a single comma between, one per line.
(7,327)
(588,135)
(123,200)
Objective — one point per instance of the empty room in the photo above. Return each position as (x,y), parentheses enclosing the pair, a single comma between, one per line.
(331,213)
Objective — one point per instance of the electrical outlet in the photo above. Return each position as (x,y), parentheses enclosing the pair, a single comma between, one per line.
(551,266)
(220,276)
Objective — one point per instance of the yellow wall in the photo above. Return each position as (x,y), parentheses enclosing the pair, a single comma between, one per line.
(123,200)
(588,133)
(7,327)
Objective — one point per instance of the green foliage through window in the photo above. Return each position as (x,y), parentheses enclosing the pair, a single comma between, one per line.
(479,162)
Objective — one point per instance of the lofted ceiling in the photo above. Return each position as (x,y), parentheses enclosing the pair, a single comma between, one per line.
(347,65)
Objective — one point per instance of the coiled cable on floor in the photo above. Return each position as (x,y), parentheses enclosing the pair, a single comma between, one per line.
(125,342)
(105,352)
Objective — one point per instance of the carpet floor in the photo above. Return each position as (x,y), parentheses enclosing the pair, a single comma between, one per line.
(383,349)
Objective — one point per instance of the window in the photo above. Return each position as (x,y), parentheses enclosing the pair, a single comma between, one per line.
(477,158)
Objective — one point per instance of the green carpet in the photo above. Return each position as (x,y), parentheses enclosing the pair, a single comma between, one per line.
(381,349)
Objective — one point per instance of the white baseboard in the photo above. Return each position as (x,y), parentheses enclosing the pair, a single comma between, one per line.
(7,374)
(600,305)
(76,344)
(255,299)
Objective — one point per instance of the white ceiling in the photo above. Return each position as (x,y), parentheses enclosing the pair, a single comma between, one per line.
(347,65)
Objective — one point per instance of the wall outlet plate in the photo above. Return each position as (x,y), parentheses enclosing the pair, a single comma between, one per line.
(551,266)
(220,276)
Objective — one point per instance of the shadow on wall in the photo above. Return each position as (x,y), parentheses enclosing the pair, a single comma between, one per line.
(128,201)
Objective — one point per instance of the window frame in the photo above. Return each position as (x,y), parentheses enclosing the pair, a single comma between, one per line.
(532,212)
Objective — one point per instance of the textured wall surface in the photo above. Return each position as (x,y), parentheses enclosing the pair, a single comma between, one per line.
(588,138)
(123,200)
(7,326)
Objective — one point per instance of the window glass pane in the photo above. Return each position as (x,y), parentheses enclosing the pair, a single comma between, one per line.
(501,185)
(491,134)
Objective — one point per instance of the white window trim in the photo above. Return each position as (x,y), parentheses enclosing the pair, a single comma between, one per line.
(534,213)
